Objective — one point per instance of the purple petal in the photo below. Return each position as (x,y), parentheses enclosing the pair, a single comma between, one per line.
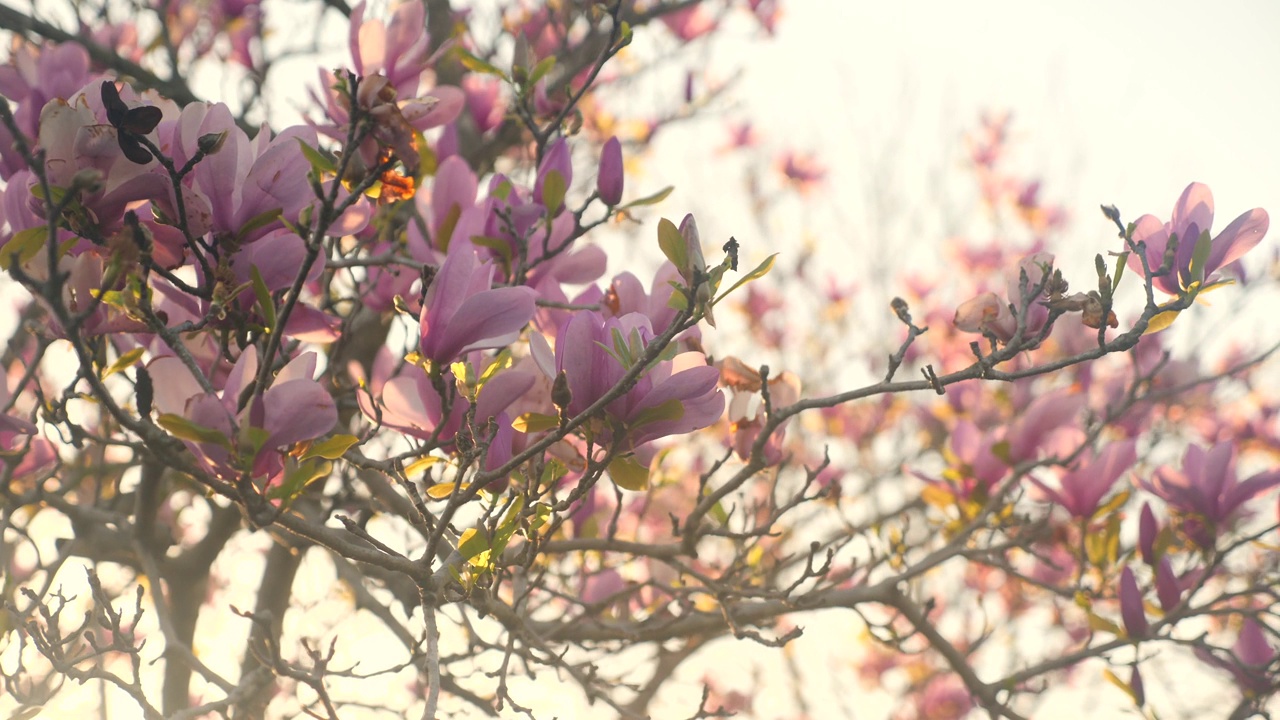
(1238,238)
(1194,209)
(297,410)
(488,319)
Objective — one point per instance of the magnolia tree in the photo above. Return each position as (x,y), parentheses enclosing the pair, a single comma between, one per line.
(346,418)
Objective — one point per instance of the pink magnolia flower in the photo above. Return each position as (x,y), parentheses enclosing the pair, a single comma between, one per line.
(410,403)
(396,50)
(484,101)
(690,23)
(988,313)
(1192,217)
(1207,491)
(1250,659)
(293,409)
(77,138)
(462,311)
(33,76)
(674,397)
(1082,489)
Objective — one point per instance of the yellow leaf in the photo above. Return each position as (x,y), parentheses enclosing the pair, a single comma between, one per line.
(332,448)
(123,362)
(420,465)
(440,491)
(1161,321)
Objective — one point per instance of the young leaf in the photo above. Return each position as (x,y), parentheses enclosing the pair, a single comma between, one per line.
(553,191)
(653,199)
(332,448)
(1200,257)
(672,244)
(760,271)
(320,163)
(184,429)
(264,298)
(124,361)
(25,243)
(628,473)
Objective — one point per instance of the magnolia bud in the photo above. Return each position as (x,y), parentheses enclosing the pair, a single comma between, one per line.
(1131,611)
(1147,531)
(211,143)
(610,179)
(1167,586)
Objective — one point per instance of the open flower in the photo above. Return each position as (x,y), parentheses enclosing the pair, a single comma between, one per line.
(1082,489)
(1206,490)
(293,409)
(1192,217)
(462,311)
(674,397)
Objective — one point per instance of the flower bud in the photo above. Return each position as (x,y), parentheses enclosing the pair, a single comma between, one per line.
(1131,611)
(211,143)
(1147,531)
(609,181)
(1135,686)
(1167,588)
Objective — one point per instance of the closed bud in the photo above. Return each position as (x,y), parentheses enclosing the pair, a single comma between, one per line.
(1167,586)
(610,179)
(1131,611)
(1147,531)
(211,143)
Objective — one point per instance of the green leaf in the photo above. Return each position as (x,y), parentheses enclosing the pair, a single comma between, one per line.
(625,36)
(542,68)
(673,245)
(653,199)
(498,245)
(265,302)
(26,243)
(184,429)
(672,409)
(510,523)
(320,163)
(1112,505)
(474,548)
(297,480)
(553,191)
(260,220)
(551,472)
(760,271)
(428,163)
(124,361)
(331,448)
(444,234)
(628,473)
(1121,261)
(1200,257)
(541,513)
(475,64)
